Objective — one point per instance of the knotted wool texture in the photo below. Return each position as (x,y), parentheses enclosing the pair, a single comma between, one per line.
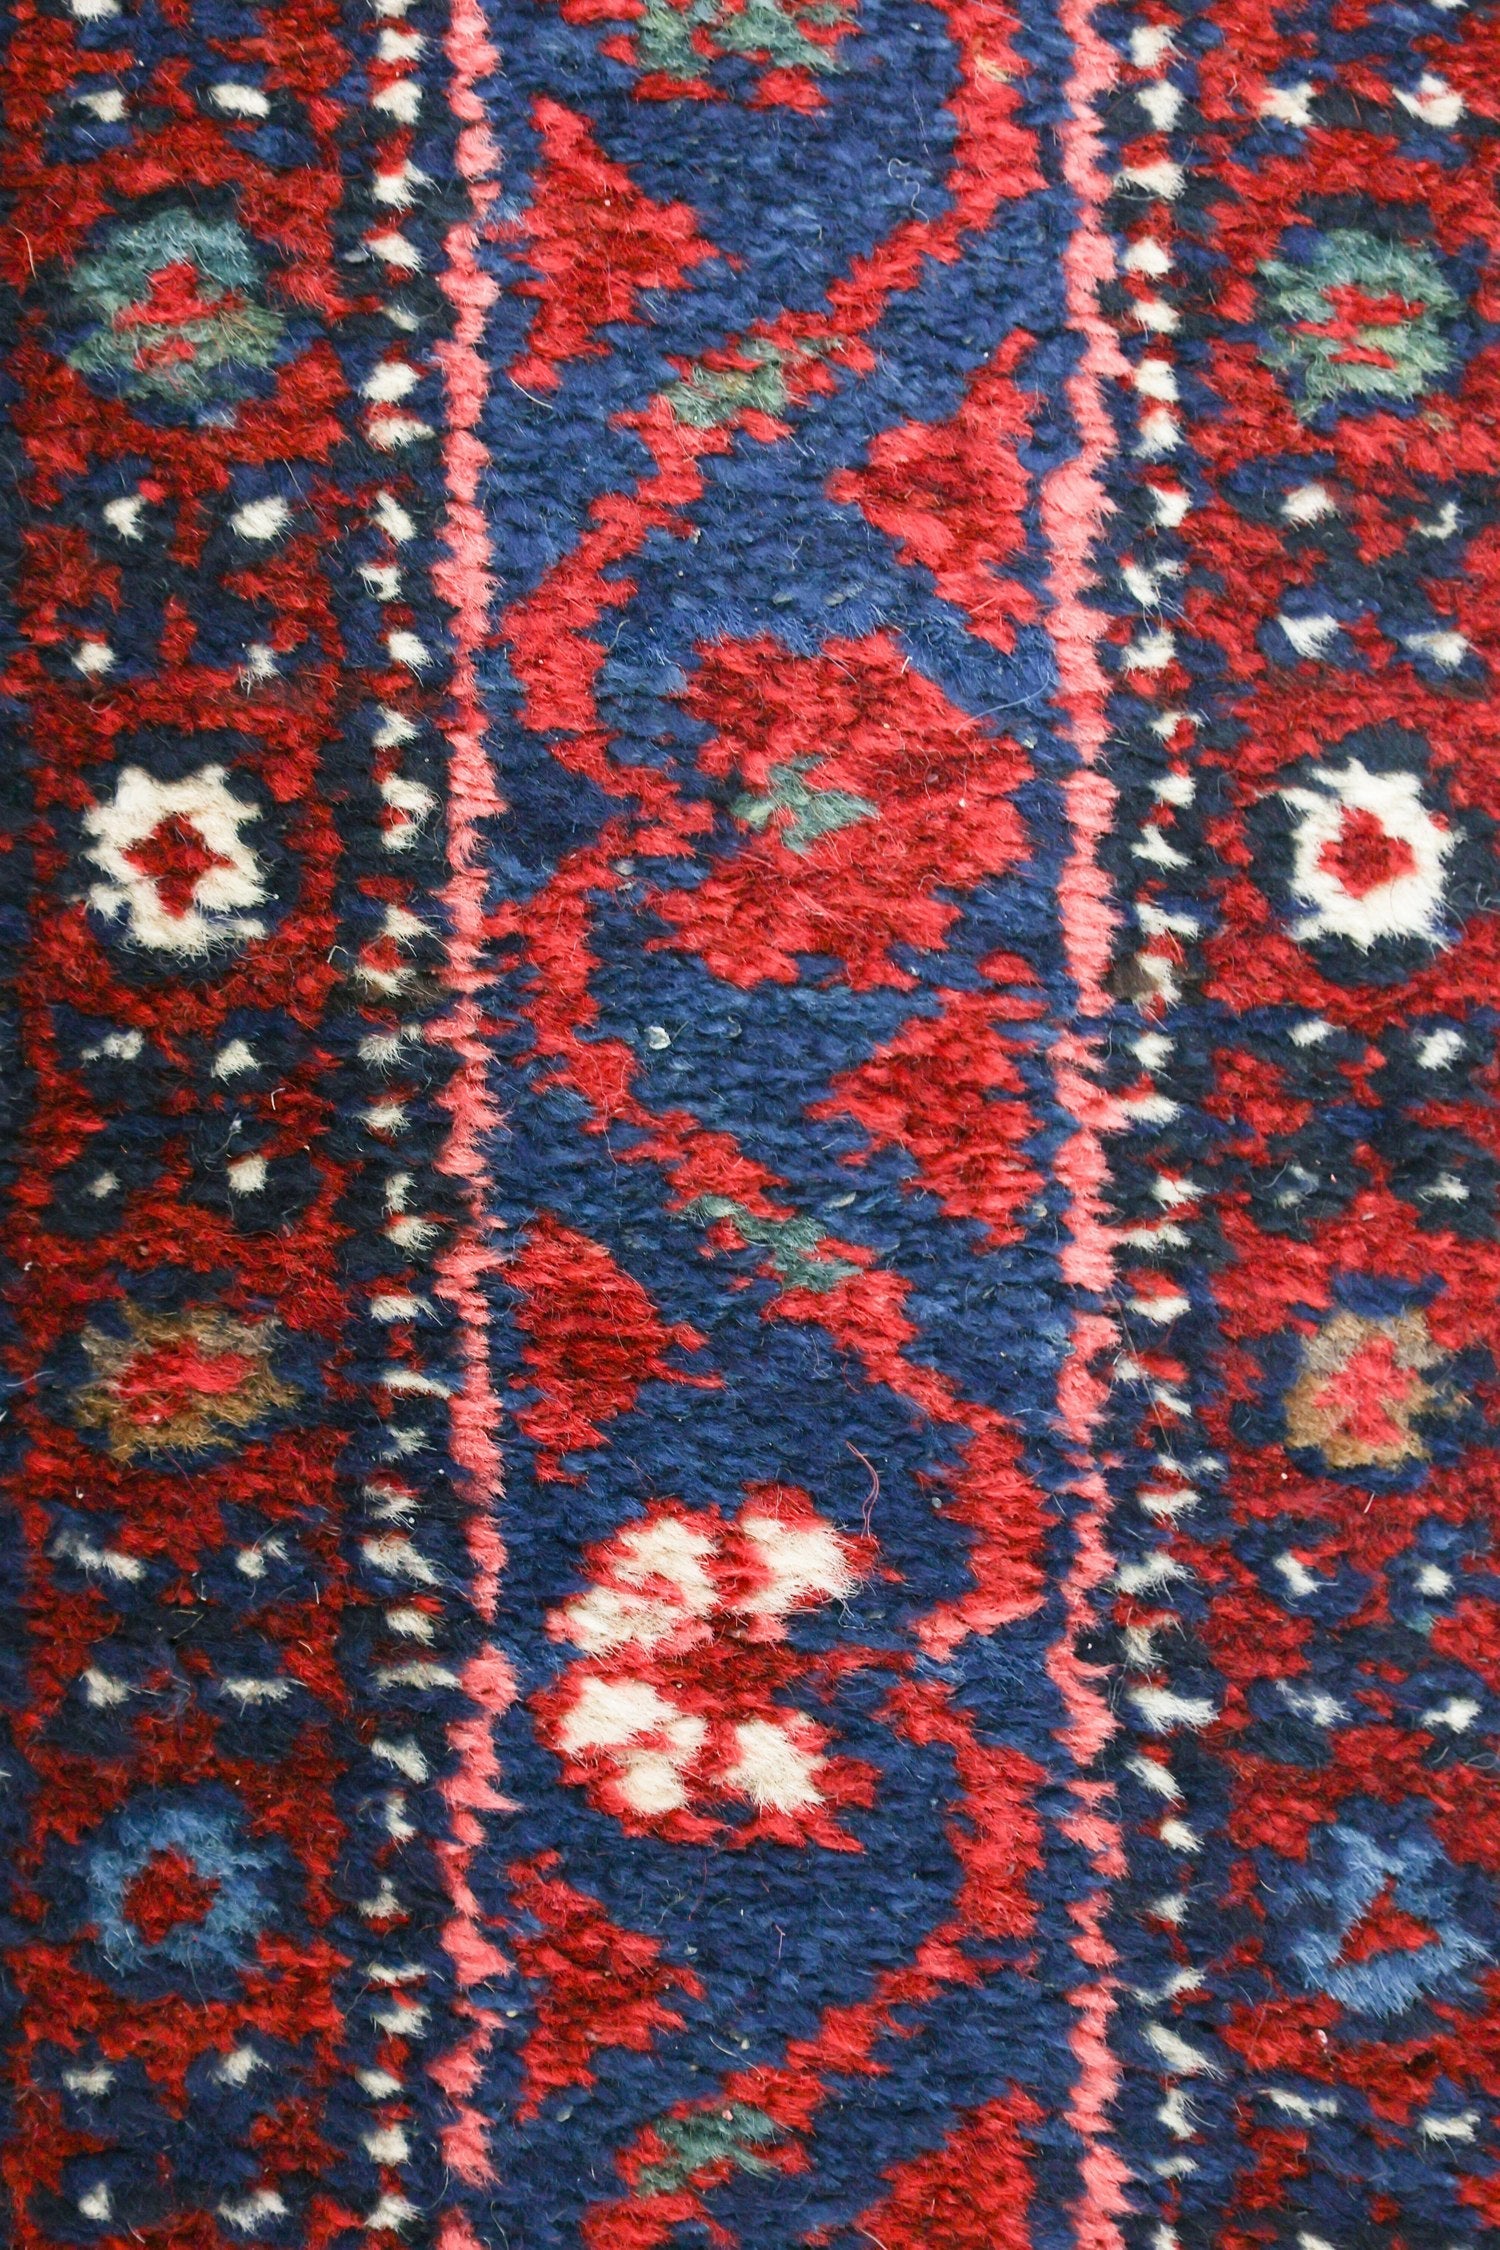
(749,1138)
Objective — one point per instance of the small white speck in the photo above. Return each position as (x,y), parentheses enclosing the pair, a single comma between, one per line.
(403,100)
(1156,378)
(1150,652)
(260,2203)
(1434,101)
(251,1690)
(1150,45)
(392,431)
(1446,649)
(393,519)
(234,1059)
(1148,256)
(124,515)
(1289,105)
(1457,1714)
(1305,503)
(1299,1578)
(388,2145)
(1310,636)
(261,519)
(93,2082)
(1162,104)
(116,1046)
(390,380)
(1439,1048)
(238,100)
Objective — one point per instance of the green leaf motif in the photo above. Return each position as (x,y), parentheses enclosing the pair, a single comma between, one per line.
(770,31)
(734,2135)
(708,397)
(815,812)
(795,1245)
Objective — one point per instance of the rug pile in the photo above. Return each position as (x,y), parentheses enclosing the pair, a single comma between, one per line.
(751,1306)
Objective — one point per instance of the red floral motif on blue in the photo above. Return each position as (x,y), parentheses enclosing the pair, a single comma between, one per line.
(749,1299)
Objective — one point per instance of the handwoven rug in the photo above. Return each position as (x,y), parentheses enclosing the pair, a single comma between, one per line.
(750,1134)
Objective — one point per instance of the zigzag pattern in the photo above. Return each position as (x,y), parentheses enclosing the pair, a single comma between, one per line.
(749,1290)
(777,1311)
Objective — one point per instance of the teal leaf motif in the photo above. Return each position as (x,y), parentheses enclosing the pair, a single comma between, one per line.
(735,2134)
(795,1244)
(814,812)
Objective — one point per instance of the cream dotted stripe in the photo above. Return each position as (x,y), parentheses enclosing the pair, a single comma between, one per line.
(409,1543)
(1166,1701)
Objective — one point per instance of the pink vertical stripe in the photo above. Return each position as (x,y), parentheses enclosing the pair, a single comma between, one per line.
(465,582)
(1073,507)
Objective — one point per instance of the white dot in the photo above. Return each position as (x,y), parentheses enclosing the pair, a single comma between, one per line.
(392,379)
(394,520)
(124,516)
(96,2080)
(261,519)
(1306,503)
(231,1060)
(239,100)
